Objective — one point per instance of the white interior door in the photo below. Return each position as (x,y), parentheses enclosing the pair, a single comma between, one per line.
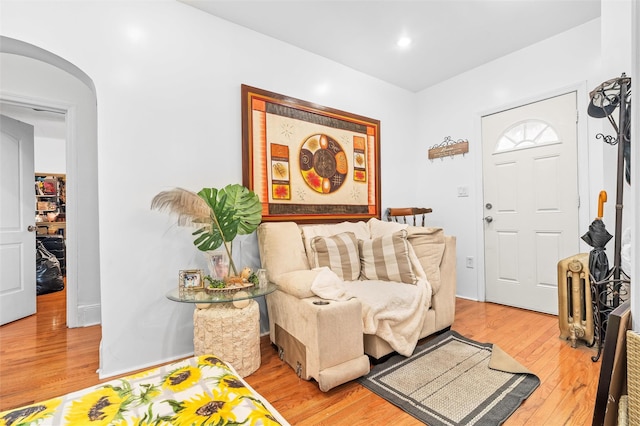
(530,189)
(17,217)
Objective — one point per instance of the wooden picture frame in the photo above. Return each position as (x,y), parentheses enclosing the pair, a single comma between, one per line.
(612,382)
(309,163)
(191,279)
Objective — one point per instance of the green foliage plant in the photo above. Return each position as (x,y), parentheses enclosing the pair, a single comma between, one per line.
(218,214)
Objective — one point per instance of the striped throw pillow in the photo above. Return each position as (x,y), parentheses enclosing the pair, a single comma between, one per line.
(386,258)
(339,253)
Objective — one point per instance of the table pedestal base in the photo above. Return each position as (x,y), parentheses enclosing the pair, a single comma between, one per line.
(230,333)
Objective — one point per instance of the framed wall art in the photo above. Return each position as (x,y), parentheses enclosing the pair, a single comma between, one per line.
(309,163)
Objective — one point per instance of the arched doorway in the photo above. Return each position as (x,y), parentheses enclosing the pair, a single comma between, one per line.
(33,77)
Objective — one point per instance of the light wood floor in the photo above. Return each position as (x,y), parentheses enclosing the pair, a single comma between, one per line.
(40,358)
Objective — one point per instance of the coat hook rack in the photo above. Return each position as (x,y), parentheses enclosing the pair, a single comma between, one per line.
(448,148)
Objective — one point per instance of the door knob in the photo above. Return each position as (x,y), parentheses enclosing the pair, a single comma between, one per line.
(31,228)
(488,219)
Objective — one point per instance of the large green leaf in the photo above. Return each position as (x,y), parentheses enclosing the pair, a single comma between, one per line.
(222,228)
(234,210)
(246,205)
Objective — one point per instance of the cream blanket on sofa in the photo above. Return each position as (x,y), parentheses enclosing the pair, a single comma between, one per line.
(392,311)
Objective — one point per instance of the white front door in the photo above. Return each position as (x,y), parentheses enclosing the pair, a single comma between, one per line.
(17,220)
(530,191)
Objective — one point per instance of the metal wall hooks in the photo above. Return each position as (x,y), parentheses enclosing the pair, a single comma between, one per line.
(448,148)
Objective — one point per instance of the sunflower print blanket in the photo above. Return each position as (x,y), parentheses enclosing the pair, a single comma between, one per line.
(202,390)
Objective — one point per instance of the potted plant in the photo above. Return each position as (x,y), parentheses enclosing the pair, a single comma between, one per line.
(218,214)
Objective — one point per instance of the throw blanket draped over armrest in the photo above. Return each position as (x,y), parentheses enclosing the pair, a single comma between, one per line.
(392,311)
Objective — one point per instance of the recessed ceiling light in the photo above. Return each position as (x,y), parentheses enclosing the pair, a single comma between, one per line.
(404,41)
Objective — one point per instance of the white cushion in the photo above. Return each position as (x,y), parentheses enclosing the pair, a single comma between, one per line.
(428,244)
(281,248)
(360,229)
(379,228)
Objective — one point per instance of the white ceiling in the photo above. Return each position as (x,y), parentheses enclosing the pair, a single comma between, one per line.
(449,36)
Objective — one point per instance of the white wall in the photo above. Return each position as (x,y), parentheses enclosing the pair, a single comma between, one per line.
(49,155)
(522,76)
(454,107)
(167,79)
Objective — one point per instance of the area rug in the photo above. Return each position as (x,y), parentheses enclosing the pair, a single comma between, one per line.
(451,380)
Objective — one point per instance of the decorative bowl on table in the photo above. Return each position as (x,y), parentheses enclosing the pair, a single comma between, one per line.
(228,288)
(231,284)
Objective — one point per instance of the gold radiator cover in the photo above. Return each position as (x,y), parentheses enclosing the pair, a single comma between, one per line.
(575,310)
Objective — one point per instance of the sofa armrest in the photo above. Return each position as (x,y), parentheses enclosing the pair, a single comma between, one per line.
(444,301)
(297,283)
(329,335)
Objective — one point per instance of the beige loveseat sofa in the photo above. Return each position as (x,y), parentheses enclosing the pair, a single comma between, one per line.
(352,289)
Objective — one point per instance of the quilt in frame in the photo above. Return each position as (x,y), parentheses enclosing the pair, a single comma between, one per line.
(309,163)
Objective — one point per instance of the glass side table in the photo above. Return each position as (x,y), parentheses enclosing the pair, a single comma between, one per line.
(200,297)
(226,324)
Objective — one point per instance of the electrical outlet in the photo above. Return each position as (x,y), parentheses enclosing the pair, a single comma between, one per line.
(469,262)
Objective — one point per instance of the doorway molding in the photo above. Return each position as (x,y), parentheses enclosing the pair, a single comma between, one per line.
(88,313)
(18,47)
(584,183)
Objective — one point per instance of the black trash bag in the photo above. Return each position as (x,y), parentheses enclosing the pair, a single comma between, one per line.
(48,273)
(55,245)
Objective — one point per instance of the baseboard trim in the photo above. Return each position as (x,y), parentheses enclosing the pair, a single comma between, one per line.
(146,366)
(89,315)
(468,298)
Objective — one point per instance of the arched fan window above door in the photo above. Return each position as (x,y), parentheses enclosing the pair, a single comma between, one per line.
(527,134)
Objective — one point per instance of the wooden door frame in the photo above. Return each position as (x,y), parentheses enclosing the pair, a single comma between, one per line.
(584,210)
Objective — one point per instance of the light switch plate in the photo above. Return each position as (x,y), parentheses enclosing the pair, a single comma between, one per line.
(463,191)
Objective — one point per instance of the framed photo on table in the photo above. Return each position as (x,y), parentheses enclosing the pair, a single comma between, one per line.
(191,279)
(309,163)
